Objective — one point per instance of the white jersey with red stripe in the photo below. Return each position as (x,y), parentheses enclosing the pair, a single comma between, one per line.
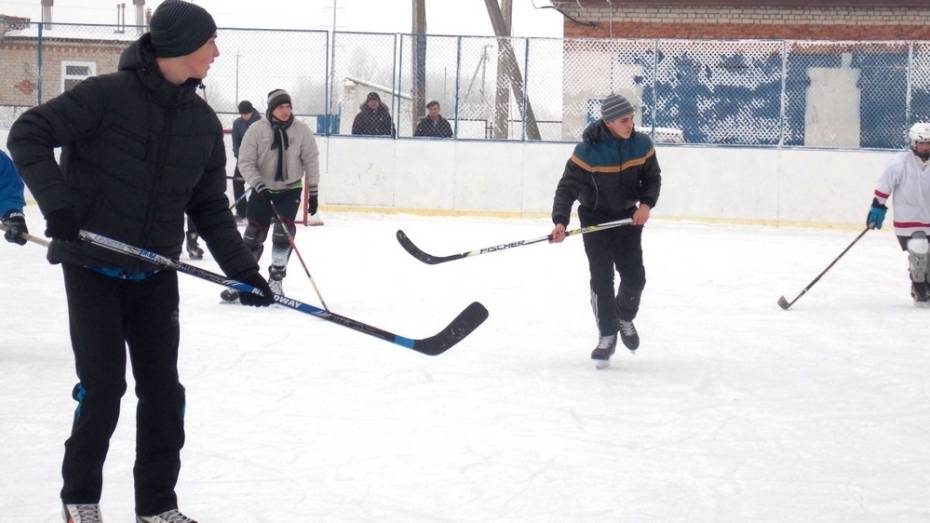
(907,180)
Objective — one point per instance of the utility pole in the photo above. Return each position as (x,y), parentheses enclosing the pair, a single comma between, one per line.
(512,70)
(418,64)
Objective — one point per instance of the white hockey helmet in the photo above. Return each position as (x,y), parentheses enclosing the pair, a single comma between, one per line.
(919,133)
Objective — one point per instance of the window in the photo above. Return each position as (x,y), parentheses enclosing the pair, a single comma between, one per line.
(73,72)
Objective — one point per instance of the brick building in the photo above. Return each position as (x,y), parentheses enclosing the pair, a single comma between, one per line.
(68,54)
(729,19)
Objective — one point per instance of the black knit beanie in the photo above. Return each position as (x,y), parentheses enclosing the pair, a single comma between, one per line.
(179,28)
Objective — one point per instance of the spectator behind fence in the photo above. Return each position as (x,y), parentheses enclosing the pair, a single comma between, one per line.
(373,118)
(433,124)
(247,116)
(140,150)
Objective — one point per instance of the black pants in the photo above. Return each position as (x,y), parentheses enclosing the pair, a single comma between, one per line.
(620,247)
(107,314)
(242,205)
(261,216)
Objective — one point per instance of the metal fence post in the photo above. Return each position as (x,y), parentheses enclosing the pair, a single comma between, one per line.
(458,73)
(39,45)
(783,102)
(526,85)
(655,84)
(395,96)
(910,81)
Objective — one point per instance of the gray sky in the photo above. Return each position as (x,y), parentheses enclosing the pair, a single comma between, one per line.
(467,17)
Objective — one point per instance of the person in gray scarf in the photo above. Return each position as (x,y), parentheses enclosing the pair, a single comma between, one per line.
(277,157)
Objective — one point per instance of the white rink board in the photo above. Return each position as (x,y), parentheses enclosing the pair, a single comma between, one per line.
(806,187)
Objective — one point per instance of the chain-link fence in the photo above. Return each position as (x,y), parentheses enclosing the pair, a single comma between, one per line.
(774,93)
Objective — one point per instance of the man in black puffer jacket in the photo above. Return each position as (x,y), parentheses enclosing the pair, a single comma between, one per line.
(140,149)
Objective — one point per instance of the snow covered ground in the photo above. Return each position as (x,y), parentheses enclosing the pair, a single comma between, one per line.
(732,409)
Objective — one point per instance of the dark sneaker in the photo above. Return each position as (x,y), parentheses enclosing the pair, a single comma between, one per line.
(628,334)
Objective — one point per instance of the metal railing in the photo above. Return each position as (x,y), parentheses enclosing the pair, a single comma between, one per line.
(768,93)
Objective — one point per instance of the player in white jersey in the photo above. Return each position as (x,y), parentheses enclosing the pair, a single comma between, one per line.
(907,179)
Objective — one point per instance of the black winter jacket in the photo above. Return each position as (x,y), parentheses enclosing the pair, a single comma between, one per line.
(373,123)
(608,176)
(138,152)
(425,127)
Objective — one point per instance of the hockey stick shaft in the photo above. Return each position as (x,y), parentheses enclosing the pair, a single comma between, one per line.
(240,198)
(460,327)
(785,304)
(290,239)
(424,257)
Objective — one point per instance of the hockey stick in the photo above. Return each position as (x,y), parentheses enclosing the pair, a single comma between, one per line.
(784,304)
(290,239)
(424,257)
(463,324)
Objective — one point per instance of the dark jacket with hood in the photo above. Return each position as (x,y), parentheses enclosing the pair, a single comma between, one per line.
(608,176)
(373,122)
(138,151)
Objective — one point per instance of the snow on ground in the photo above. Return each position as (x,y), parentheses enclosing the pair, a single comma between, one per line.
(731,410)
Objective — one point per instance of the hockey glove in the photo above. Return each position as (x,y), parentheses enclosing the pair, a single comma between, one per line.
(262,190)
(876,215)
(16,227)
(255,279)
(313,204)
(62,225)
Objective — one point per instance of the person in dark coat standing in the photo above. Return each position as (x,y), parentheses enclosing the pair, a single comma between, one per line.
(140,149)
(373,118)
(614,174)
(433,124)
(247,116)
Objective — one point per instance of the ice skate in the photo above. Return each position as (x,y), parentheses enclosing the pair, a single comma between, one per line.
(229,296)
(920,292)
(604,350)
(171,516)
(193,248)
(277,286)
(82,513)
(276,274)
(628,335)
(314,219)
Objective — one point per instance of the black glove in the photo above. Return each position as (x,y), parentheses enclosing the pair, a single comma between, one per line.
(262,190)
(16,226)
(313,203)
(62,225)
(593,132)
(255,279)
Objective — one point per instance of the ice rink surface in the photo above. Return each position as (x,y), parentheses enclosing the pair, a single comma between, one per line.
(731,410)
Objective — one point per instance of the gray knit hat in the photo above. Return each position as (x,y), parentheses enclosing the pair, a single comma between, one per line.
(180,28)
(276,98)
(615,106)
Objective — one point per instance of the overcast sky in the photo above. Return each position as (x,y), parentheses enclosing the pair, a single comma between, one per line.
(468,17)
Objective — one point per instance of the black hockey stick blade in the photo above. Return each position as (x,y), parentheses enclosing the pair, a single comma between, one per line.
(423,256)
(463,325)
(783,303)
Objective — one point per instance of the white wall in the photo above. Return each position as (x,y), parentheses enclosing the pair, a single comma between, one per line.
(807,187)
(745,185)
